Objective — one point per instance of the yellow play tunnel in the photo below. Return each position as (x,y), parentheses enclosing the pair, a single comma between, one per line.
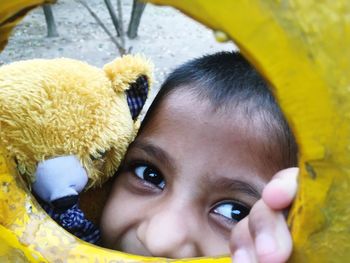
(303,49)
(12,12)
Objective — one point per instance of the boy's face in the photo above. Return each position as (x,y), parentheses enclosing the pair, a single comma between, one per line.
(189,176)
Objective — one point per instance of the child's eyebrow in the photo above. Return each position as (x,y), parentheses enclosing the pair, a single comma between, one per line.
(220,183)
(155,152)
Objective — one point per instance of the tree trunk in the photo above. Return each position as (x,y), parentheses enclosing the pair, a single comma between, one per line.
(113,16)
(137,9)
(50,21)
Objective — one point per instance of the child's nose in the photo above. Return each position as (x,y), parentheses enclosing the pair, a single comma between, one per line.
(168,233)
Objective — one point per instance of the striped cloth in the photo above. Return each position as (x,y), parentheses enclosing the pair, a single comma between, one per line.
(74,221)
(137,95)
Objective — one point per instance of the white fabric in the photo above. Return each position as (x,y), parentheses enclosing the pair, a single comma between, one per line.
(59,177)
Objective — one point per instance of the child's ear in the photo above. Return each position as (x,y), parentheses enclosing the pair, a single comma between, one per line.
(137,95)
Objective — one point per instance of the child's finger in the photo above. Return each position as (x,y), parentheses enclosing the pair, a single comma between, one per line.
(241,244)
(271,236)
(279,193)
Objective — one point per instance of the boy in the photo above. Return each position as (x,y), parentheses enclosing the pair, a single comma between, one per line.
(209,144)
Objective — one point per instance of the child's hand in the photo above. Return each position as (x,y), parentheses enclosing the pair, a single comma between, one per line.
(263,236)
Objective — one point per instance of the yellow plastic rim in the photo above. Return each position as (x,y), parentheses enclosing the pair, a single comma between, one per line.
(303,49)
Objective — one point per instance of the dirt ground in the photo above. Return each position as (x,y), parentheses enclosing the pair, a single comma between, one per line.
(165,35)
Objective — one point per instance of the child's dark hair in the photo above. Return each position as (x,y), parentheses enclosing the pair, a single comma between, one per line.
(227,80)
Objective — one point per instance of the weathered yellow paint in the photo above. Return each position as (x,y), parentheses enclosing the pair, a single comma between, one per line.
(12,12)
(11,250)
(302,47)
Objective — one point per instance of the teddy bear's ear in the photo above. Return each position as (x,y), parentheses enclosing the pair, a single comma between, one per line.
(131,74)
(137,95)
(124,71)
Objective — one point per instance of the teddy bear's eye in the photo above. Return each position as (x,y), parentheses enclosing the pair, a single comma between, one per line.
(98,155)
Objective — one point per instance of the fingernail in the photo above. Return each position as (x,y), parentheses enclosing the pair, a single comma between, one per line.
(265,244)
(241,256)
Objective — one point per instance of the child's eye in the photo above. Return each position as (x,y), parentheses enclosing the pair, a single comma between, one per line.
(232,211)
(150,175)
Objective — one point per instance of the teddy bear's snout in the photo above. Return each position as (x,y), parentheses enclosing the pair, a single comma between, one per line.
(59,180)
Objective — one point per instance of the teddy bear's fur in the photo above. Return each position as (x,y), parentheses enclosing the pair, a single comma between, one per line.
(58,107)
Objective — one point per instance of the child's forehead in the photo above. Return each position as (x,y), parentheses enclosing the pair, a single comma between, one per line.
(206,143)
(185,111)
(190,103)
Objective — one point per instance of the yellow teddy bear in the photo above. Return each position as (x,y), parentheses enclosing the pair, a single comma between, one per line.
(67,125)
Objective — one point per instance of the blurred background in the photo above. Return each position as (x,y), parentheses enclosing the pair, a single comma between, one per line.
(84,30)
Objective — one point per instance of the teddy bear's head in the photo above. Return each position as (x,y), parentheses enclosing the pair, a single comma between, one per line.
(62,107)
